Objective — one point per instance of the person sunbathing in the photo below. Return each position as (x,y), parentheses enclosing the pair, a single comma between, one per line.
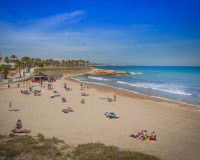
(143,135)
(67,109)
(109,99)
(153,136)
(136,134)
(84,94)
(18,124)
(64,99)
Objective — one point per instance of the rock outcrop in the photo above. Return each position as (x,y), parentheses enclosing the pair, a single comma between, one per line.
(108,72)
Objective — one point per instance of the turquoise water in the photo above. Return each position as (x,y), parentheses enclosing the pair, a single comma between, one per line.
(181,84)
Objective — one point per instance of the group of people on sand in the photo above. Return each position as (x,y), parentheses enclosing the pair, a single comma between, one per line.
(143,135)
(26,92)
(82,87)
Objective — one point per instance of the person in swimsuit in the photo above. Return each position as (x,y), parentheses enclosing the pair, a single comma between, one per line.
(18,124)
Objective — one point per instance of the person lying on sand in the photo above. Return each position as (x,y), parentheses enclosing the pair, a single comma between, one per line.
(26,92)
(143,135)
(68,109)
(84,94)
(109,99)
(135,135)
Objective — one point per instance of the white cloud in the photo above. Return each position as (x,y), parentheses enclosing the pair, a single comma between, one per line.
(44,38)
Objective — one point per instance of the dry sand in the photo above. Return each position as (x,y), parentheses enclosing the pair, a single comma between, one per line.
(177,126)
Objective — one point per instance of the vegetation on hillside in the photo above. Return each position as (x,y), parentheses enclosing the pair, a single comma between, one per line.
(27,147)
(39,70)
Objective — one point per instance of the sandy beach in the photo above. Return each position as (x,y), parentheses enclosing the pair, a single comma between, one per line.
(176,125)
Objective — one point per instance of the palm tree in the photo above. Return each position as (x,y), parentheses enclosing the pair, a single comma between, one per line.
(6,59)
(63,63)
(26,60)
(5,70)
(18,65)
(13,57)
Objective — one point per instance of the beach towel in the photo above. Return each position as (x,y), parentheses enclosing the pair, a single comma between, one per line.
(107,113)
(142,138)
(152,140)
(67,110)
(21,131)
(13,110)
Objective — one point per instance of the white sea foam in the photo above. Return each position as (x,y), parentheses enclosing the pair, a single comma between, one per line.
(99,78)
(136,73)
(170,89)
(133,91)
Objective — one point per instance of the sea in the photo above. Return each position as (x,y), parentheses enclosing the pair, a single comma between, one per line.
(179,84)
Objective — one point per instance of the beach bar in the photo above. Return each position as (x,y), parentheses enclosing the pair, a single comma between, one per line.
(54,77)
(40,77)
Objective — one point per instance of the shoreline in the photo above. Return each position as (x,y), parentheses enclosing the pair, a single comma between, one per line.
(129,93)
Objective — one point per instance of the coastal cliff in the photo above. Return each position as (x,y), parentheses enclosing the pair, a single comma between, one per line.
(107,72)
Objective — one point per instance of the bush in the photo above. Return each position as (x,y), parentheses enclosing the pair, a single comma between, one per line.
(28,147)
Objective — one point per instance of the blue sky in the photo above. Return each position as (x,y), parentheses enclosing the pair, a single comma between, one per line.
(116,32)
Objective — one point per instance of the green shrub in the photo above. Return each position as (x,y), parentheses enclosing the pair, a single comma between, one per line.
(39,147)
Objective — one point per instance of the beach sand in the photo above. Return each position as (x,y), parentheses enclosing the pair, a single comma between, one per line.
(177,126)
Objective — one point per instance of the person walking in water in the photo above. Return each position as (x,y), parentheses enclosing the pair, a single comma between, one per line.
(149,93)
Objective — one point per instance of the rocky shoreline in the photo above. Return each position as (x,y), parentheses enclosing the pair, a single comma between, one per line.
(107,72)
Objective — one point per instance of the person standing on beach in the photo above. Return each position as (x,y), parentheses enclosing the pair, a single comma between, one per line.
(8,85)
(17,84)
(115,97)
(149,93)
